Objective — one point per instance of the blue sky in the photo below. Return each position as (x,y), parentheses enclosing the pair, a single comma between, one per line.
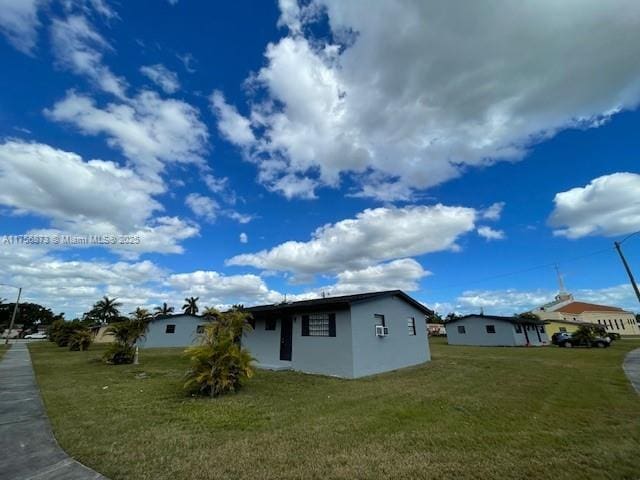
(257,149)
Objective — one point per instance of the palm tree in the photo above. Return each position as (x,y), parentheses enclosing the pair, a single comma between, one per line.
(141,315)
(106,309)
(190,307)
(163,310)
(211,312)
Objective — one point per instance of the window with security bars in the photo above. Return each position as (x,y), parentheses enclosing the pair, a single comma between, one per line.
(411,324)
(319,325)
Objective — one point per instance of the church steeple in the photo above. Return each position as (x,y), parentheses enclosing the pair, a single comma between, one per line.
(562,293)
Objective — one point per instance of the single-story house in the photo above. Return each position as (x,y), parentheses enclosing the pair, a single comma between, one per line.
(179,330)
(348,336)
(493,330)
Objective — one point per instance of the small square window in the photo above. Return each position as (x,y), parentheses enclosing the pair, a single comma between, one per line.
(270,324)
(461,329)
(491,328)
(170,329)
(562,329)
(411,324)
(379,319)
(200,329)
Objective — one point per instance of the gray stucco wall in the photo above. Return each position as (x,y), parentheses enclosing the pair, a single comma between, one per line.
(185,332)
(373,354)
(264,345)
(476,333)
(323,355)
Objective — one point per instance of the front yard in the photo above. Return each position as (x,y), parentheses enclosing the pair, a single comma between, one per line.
(470,413)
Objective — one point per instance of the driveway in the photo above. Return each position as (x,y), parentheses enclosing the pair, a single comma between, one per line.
(631,367)
(28,449)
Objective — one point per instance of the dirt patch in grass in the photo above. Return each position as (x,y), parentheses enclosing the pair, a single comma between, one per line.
(470,413)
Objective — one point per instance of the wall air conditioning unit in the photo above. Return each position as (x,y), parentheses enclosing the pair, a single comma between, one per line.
(382,331)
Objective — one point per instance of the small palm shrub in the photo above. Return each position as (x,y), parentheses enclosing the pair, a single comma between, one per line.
(219,364)
(119,354)
(60,332)
(80,340)
(126,334)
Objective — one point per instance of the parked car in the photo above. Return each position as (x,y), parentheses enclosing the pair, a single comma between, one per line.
(36,336)
(567,340)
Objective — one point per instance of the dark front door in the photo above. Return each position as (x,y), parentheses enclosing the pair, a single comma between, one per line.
(286,331)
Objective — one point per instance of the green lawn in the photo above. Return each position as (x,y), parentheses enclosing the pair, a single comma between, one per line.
(470,413)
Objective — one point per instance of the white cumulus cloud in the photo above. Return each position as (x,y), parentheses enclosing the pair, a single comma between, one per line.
(608,205)
(375,235)
(489,233)
(453,87)
(149,130)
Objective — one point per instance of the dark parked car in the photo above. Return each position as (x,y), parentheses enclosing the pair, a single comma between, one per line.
(565,339)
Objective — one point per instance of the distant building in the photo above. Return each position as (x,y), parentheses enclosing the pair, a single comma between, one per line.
(180,330)
(567,314)
(496,331)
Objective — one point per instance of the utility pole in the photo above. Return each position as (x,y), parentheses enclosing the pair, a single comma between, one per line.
(13,316)
(626,267)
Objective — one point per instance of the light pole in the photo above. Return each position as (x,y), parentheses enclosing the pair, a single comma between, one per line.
(15,310)
(626,265)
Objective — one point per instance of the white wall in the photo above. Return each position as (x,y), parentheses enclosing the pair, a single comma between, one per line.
(373,354)
(323,355)
(184,336)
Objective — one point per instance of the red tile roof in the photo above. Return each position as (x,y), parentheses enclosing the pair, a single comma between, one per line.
(580,307)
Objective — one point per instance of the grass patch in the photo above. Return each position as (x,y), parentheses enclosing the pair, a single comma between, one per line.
(3,349)
(544,413)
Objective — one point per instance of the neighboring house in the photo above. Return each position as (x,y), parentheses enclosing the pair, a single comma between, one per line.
(565,308)
(180,330)
(100,334)
(436,329)
(349,336)
(492,330)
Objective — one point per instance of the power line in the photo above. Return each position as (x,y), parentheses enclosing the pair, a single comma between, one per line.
(519,272)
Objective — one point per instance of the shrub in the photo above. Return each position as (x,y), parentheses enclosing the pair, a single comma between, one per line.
(126,334)
(60,332)
(119,354)
(80,340)
(219,364)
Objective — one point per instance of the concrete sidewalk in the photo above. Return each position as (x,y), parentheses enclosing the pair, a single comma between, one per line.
(631,367)
(28,449)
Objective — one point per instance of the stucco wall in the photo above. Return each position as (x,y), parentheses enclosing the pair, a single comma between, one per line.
(506,335)
(264,345)
(604,317)
(373,354)
(185,332)
(323,355)
(476,333)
